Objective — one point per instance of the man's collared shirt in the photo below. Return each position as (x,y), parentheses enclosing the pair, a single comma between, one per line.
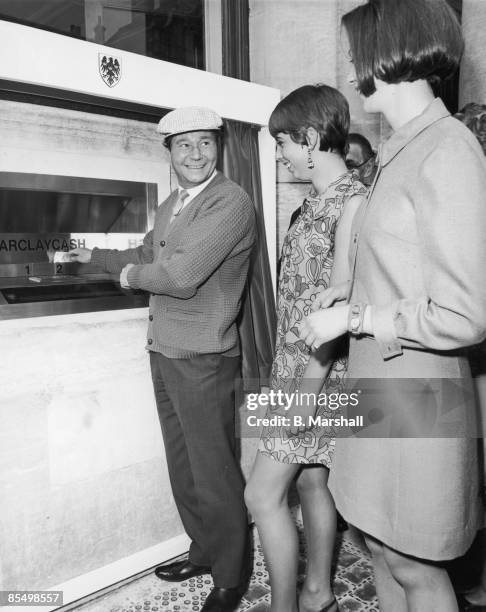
(194,191)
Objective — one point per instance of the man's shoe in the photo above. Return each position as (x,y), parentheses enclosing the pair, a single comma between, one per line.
(223,600)
(180,570)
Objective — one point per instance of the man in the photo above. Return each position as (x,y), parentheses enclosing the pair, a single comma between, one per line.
(361,158)
(194,263)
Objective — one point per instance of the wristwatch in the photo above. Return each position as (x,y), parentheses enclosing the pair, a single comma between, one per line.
(355,318)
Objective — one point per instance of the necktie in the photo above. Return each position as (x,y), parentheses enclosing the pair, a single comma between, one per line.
(179,205)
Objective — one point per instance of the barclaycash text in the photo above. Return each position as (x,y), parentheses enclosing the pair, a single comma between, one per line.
(41,244)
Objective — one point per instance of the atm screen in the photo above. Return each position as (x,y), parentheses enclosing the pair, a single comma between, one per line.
(44,214)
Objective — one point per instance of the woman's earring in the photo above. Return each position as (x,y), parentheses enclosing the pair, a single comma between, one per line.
(310,161)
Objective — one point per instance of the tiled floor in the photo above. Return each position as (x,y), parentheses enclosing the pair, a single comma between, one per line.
(353,586)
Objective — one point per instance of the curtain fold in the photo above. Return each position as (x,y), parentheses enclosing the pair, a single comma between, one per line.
(241,163)
(257,323)
(236,39)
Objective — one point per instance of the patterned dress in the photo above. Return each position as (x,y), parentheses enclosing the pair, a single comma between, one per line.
(307,259)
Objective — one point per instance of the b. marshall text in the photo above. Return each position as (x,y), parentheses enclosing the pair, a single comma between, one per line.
(297,420)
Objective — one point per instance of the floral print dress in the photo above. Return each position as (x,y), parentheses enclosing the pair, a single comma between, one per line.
(306,265)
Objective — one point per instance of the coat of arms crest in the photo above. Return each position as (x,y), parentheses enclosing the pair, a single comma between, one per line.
(110,69)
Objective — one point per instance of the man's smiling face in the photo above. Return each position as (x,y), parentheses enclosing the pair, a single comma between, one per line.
(194,156)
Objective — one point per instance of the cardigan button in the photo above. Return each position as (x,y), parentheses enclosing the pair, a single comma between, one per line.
(151,317)
(150,341)
(162,243)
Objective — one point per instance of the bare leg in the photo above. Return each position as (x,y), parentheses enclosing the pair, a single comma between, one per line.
(409,584)
(266,498)
(427,586)
(319,516)
(391,595)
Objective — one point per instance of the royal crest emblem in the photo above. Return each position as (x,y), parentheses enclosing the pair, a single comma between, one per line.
(110,69)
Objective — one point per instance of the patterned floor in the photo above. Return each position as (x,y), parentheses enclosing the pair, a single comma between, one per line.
(353,586)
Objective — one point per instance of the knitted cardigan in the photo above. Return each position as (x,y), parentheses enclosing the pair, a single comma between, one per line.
(195,269)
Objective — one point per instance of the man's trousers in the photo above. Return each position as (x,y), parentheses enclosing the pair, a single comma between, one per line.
(195,401)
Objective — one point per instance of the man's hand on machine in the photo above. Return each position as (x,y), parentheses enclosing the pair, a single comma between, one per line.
(80,255)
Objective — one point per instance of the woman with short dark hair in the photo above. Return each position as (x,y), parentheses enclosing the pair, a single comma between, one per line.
(310,126)
(320,107)
(416,299)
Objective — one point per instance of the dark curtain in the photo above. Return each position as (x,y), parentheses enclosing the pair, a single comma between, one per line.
(257,323)
(236,39)
(241,163)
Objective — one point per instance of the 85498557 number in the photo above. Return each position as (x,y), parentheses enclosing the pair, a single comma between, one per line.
(31,598)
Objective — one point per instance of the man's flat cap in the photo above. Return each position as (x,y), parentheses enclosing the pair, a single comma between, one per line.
(189,119)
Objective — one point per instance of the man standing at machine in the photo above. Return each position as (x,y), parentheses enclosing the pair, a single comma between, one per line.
(194,263)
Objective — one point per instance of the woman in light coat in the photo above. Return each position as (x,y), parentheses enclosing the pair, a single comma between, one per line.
(416,298)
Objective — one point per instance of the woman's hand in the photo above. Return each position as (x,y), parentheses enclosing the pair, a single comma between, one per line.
(327,297)
(324,326)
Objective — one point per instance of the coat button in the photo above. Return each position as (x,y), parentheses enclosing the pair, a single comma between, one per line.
(151,317)
(150,341)
(162,243)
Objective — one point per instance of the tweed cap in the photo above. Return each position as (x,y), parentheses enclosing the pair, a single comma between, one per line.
(188,119)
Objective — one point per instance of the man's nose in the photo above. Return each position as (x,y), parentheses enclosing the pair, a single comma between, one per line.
(196,153)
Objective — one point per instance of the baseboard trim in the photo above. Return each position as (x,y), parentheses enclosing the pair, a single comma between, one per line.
(96,583)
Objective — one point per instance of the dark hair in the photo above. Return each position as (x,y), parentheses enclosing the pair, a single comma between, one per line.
(403,40)
(319,106)
(362,142)
(218,134)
